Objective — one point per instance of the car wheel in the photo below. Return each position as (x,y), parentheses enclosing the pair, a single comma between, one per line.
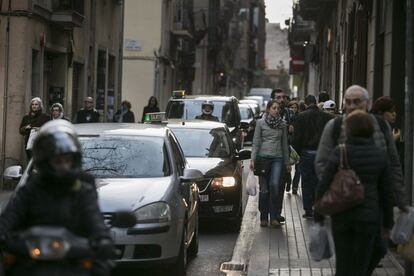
(179,268)
(238,219)
(193,248)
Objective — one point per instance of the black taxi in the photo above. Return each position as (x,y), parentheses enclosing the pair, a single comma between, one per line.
(208,147)
(226,110)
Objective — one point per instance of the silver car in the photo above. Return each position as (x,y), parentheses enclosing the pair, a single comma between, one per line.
(141,168)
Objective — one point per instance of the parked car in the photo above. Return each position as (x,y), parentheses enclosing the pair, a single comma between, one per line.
(248,117)
(141,168)
(226,109)
(208,148)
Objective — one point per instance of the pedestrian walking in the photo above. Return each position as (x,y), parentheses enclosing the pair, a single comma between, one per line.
(294,106)
(357,98)
(329,106)
(270,144)
(385,108)
(355,230)
(124,114)
(88,114)
(287,115)
(152,107)
(31,123)
(309,126)
(56,112)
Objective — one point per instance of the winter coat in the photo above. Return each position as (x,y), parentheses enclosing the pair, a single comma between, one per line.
(384,140)
(36,120)
(270,142)
(87,116)
(308,127)
(371,165)
(128,117)
(35,204)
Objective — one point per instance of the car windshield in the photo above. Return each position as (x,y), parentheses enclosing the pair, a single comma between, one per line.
(245,112)
(203,142)
(191,109)
(121,157)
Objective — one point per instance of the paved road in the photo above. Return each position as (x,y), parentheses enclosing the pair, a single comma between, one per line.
(217,241)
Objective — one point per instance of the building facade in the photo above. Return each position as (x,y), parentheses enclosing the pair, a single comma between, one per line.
(60,51)
(346,42)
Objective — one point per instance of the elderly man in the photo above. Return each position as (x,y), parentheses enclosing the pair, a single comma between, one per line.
(88,114)
(357,98)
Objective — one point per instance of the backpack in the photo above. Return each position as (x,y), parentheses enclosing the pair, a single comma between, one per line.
(338,124)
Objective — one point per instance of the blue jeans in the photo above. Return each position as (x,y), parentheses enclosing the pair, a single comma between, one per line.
(309,179)
(269,191)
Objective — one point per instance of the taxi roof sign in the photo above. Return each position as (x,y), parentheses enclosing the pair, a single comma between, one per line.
(156,117)
(178,94)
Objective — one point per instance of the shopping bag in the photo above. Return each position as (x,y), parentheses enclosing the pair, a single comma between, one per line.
(319,246)
(32,137)
(403,227)
(406,250)
(294,156)
(251,184)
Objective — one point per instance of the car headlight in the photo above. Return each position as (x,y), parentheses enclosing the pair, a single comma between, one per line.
(47,249)
(227,181)
(153,213)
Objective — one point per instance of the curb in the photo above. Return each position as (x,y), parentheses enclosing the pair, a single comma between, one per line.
(241,253)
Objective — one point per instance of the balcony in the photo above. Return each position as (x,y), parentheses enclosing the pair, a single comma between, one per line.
(182,26)
(313,9)
(68,13)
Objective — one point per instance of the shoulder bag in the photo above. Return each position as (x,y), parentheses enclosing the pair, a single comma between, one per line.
(346,190)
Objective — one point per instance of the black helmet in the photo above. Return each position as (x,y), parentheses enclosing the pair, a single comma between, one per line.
(57,137)
(205,104)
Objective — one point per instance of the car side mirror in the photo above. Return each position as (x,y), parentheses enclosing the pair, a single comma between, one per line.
(191,175)
(13,173)
(244,125)
(244,154)
(123,219)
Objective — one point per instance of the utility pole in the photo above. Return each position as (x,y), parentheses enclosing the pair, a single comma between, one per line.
(409,110)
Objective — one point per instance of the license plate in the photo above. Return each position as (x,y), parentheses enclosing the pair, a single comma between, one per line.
(203,198)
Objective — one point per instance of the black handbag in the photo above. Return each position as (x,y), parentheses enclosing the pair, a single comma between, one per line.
(262,167)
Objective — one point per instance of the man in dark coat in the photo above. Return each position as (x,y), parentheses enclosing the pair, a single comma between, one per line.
(58,193)
(88,114)
(308,127)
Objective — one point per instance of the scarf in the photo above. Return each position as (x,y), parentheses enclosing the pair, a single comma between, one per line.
(274,122)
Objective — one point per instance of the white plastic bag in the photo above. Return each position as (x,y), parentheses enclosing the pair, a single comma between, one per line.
(251,184)
(32,137)
(319,246)
(403,227)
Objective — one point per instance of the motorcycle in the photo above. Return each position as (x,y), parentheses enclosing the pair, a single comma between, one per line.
(52,250)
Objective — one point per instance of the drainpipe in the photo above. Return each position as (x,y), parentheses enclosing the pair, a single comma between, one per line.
(6,90)
(409,109)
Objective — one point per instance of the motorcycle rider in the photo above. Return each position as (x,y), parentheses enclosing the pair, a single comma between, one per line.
(57,193)
(207,108)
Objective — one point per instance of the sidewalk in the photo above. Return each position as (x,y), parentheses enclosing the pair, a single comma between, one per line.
(284,250)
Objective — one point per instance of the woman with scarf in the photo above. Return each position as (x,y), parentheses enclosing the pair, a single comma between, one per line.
(57,112)
(32,122)
(125,115)
(270,142)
